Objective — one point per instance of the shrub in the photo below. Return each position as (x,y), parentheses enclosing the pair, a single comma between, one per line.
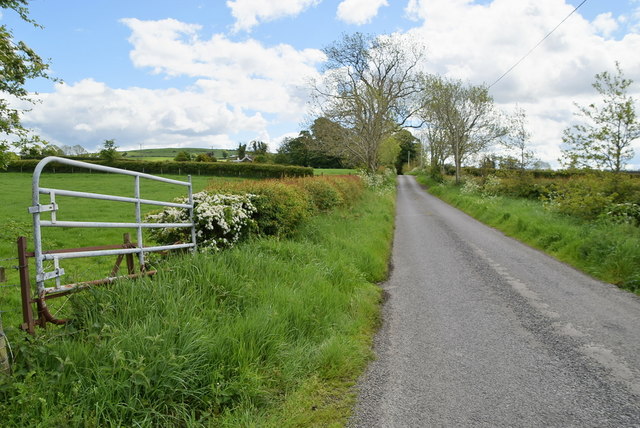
(625,213)
(205,157)
(349,186)
(470,186)
(182,156)
(221,220)
(380,182)
(586,197)
(492,186)
(322,193)
(280,207)
(224,215)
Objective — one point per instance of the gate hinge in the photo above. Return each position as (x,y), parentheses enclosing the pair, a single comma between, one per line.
(43,208)
(56,273)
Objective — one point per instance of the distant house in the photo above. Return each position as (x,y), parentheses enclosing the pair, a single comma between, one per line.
(246,158)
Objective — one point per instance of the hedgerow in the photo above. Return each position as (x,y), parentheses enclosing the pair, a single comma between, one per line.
(225,215)
(220,169)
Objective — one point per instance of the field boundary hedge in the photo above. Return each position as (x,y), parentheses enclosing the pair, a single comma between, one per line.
(219,169)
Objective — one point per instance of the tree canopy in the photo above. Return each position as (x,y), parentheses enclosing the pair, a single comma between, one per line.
(604,139)
(18,63)
(461,117)
(369,88)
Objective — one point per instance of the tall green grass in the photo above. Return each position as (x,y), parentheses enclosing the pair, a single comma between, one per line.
(270,333)
(603,249)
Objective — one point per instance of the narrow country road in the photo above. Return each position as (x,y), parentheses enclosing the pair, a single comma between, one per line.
(480,330)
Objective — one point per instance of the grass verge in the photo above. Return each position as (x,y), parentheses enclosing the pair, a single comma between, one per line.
(270,333)
(605,250)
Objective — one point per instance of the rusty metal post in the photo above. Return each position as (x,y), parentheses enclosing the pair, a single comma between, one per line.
(131,269)
(25,286)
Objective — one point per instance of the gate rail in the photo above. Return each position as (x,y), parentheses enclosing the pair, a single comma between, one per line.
(40,255)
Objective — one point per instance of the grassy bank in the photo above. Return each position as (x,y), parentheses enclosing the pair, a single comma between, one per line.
(603,249)
(270,333)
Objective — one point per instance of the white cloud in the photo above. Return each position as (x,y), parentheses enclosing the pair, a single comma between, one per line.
(479,42)
(359,12)
(248,13)
(89,112)
(605,24)
(238,89)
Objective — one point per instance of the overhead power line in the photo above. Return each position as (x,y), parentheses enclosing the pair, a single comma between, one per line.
(538,44)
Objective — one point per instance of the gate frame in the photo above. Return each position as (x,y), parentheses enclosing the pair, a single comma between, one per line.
(128,249)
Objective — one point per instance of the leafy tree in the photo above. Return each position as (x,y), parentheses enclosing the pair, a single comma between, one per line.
(509,162)
(464,114)
(182,156)
(258,147)
(539,164)
(109,150)
(242,151)
(18,64)
(388,152)
(205,157)
(309,147)
(438,148)
(295,151)
(604,140)
(225,154)
(37,152)
(369,88)
(408,149)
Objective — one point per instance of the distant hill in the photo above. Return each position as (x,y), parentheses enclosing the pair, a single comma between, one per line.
(170,153)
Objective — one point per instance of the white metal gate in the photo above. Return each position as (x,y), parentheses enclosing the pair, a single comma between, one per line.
(41,255)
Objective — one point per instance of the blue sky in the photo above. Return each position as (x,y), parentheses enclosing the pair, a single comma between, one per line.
(199,73)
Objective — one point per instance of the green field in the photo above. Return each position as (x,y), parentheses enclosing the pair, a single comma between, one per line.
(170,153)
(334,171)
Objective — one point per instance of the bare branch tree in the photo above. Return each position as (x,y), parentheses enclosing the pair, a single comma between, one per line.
(370,87)
(517,139)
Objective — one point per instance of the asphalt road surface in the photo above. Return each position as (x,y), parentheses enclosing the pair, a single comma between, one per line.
(480,330)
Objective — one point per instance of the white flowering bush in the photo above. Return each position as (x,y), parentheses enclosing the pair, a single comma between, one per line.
(470,186)
(625,213)
(492,186)
(380,182)
(221,220)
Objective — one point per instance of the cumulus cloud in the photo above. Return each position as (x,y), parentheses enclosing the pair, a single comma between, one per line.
(605,24)
(249,13)
(172,48)
(88,112)
(359,12)
(237,88)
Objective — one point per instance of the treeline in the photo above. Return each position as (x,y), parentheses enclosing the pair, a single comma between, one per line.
(221,169)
